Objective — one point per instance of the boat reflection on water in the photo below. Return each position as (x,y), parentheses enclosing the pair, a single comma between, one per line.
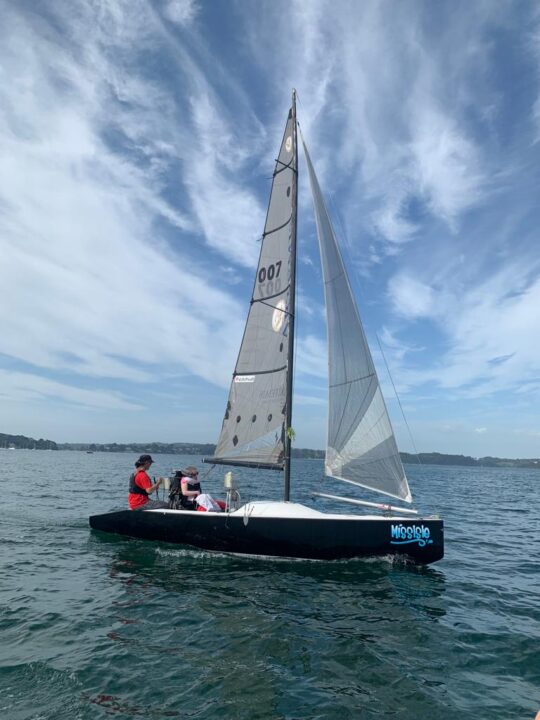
(378,589)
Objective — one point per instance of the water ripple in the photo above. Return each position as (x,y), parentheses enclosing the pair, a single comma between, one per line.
(94,627)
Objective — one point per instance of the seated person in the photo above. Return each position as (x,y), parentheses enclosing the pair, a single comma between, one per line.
(185,492)
(190,488)
(140,485)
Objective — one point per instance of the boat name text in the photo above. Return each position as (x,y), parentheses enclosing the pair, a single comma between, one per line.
(405,534)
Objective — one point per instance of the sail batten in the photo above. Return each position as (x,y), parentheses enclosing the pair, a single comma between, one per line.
(361,448)
(253,432)
(273,230)
(242,463)
(348,382)
(260,372)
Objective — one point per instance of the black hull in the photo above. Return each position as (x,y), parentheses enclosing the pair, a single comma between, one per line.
(420,540)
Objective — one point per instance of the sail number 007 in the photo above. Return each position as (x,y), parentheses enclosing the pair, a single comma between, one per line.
(270,276)
(270,272)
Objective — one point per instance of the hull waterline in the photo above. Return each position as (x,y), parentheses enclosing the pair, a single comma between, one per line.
(318,538)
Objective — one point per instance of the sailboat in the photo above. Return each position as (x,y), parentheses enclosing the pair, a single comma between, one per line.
(257,431)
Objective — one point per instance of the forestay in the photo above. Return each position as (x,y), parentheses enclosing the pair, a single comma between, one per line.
(253,430)
(361,447)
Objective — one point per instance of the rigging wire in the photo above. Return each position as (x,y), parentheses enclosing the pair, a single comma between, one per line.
(208,473)
(399,401)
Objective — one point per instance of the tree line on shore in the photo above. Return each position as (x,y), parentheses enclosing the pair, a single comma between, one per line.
(177,448)
(21,442)
(434,458)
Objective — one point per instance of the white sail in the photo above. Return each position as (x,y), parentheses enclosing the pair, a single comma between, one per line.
(361,447)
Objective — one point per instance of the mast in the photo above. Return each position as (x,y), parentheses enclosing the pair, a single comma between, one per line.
(292,310)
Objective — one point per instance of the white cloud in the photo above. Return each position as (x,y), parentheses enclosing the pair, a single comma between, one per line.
(182,12)
(23,387)
(488,329)
(380,99)
(397,347)
(308,400)
(527,432)
(312,356)
(534,45)
(389,219)
(92,287)
(447,166)
(411,298)
(232,218)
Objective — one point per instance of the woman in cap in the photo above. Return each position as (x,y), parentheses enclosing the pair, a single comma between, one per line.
(140,485)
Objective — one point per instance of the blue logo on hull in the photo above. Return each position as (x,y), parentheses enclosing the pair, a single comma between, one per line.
(405,534)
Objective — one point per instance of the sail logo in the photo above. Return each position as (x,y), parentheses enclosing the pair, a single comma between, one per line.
(405,534)
(278,316)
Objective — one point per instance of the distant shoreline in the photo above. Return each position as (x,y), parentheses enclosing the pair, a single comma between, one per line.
(21,442)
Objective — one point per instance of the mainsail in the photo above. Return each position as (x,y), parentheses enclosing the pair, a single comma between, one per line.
(257,413)
(361,447)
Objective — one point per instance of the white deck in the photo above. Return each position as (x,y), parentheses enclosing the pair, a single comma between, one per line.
(272,509)
(264,508)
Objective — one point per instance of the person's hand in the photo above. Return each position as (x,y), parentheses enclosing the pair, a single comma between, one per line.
(159,480)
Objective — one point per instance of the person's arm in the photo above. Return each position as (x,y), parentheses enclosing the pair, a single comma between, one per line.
(154,487)
(145,483)
(186,492)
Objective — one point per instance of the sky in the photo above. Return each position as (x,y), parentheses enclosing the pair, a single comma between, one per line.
(137,143)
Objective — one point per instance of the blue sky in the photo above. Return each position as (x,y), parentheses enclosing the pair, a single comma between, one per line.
(137,141)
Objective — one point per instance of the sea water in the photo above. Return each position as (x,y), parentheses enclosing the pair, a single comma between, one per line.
(95,626)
